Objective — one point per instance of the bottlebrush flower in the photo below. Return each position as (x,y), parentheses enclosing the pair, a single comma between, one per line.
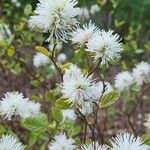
(14,104)
(141,73)
(82,34)
(128,141)
(105,46)
(57,17)
(62,143)
(123,81)
(9,142)
(40,59)
(78,87)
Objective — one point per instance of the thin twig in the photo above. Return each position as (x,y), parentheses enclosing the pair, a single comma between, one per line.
(94,68)
(85,131)
(54,62)
(131,125)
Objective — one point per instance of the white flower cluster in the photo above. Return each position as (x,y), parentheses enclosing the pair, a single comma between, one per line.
(9,142)
(147,123)
(57,17)
(123,81)
(128,141)
(104,45)
(83,34)
(40,59)
(61,142)
(14,104)
(123,141)
(139,75)
(81,89)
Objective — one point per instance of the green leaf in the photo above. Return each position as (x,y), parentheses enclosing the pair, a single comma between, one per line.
(50,96)
(63,103)
(109,99)
(11,51)
(146,139)
(57,114)
(38,124)
(35,83)
(44,51)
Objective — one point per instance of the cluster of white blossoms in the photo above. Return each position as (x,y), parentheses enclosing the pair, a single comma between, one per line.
(141,73)
(123,80)
(9,142)
(128,141)
(102,44)
(82,34)
(40,59)
(57,17)
(105,45)
(123,141)
(61,142)
(14,104)
(81,89)
(147,123)
(93,146)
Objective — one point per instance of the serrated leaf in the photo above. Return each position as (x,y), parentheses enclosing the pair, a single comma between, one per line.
(38,124)
(109,99)
(57,114)
(63,103)
(43,50)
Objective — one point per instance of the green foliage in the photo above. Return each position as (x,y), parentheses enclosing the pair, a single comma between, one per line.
(146,138)
(38,124)
(63,103)
(109,99)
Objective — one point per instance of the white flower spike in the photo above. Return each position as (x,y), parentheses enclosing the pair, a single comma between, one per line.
(56,17)
(82,34)
(128,141)
(141,73)
(78,87)
(14,104)
(105,46)
(123,81)
(9,142)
